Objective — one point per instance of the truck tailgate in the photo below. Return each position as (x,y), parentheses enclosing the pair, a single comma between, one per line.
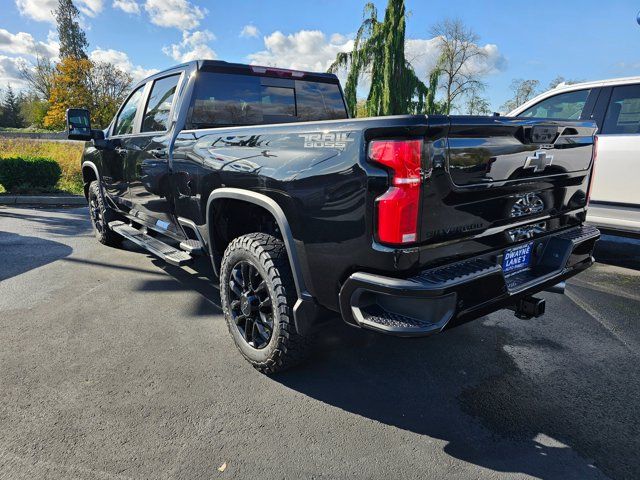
(500,173)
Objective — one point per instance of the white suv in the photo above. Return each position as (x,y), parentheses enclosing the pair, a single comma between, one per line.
(615,106)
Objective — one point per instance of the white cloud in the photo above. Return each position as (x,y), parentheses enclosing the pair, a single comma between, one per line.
(192,47)
(10,71)
(120,60)
(41,10)
(249,31)
(423,55)
(304,50)
(310,50)
(128,6)
(90,8)
(23,43)
(174,13)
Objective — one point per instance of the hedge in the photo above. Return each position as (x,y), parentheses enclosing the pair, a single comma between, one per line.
(29,174)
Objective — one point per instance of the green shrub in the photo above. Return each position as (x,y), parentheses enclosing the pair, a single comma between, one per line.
(29,174)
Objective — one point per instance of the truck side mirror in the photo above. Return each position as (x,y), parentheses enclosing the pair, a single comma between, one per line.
(78,124)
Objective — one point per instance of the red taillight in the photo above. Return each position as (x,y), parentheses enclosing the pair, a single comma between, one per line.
(594,156)
(397,208)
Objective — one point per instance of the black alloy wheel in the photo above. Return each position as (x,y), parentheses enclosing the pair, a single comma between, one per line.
(258,296)
(251,305)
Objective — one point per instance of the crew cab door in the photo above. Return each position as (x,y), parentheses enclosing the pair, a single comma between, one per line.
(147,152)
(114,159)
(615,199)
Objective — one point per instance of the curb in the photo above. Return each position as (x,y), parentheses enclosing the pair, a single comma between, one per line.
(53,200)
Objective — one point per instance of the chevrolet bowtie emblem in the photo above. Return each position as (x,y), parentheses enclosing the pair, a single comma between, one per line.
(538,161)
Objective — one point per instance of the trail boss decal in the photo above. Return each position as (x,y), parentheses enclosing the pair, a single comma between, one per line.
(337,140)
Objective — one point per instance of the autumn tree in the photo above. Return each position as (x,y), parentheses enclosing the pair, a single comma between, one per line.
(77,81)
(378,51)
(73,41)
(81,83)
(460,62)
(71,88)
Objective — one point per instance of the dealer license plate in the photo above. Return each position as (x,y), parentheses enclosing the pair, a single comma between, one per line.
(517,258)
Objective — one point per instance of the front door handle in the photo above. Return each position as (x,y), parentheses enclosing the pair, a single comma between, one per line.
(121,151)
(159,153)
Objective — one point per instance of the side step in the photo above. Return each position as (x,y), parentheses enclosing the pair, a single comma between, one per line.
(153,245)
(193,247)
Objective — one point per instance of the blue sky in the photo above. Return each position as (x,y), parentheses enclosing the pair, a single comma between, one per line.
(584,40)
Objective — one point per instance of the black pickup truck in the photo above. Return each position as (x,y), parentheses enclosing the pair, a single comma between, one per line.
(406,225)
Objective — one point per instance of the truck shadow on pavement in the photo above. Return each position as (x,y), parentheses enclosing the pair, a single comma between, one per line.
(539,402)
(441,386)
(20,253)
(64,222)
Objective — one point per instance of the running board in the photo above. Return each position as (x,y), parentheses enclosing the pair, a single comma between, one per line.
(152,245)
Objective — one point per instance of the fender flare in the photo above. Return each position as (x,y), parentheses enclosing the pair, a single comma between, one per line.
(93,167)
(305,310)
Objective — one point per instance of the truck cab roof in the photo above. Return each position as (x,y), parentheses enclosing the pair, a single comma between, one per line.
(221,66)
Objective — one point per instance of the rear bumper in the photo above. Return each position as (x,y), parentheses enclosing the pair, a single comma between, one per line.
(448,295)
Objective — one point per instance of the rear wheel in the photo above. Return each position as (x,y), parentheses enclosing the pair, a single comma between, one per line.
(258,294)
(101,215)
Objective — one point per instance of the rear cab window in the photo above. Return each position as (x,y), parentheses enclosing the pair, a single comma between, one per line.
(623,112)
(229,99)
(564,106)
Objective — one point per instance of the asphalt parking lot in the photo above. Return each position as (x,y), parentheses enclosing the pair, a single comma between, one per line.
(114,365)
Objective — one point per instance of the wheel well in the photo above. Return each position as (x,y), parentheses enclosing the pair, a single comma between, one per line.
(231,218)
(88,176)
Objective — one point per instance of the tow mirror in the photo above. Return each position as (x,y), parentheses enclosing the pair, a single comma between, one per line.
(78,124)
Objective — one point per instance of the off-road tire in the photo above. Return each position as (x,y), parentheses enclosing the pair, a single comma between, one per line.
(268,255)
(101,215)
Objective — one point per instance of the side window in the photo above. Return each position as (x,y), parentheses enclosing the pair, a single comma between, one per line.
(156,115)
(623,113)
(124,122)
(319,101)
(565,106)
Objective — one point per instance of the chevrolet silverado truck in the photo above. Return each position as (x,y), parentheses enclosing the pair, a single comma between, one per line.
(406,225)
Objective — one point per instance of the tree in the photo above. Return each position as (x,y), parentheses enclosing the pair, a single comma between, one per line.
(378,50)
(459,60)
(39,77)
(73,41)
(561,80)
(523,91)
(33,110)
(109,87)
(70,88)
(477,105)
(79,82)
(11,116)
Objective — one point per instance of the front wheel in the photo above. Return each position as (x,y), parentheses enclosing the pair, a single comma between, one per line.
(258,294)
(101,215)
